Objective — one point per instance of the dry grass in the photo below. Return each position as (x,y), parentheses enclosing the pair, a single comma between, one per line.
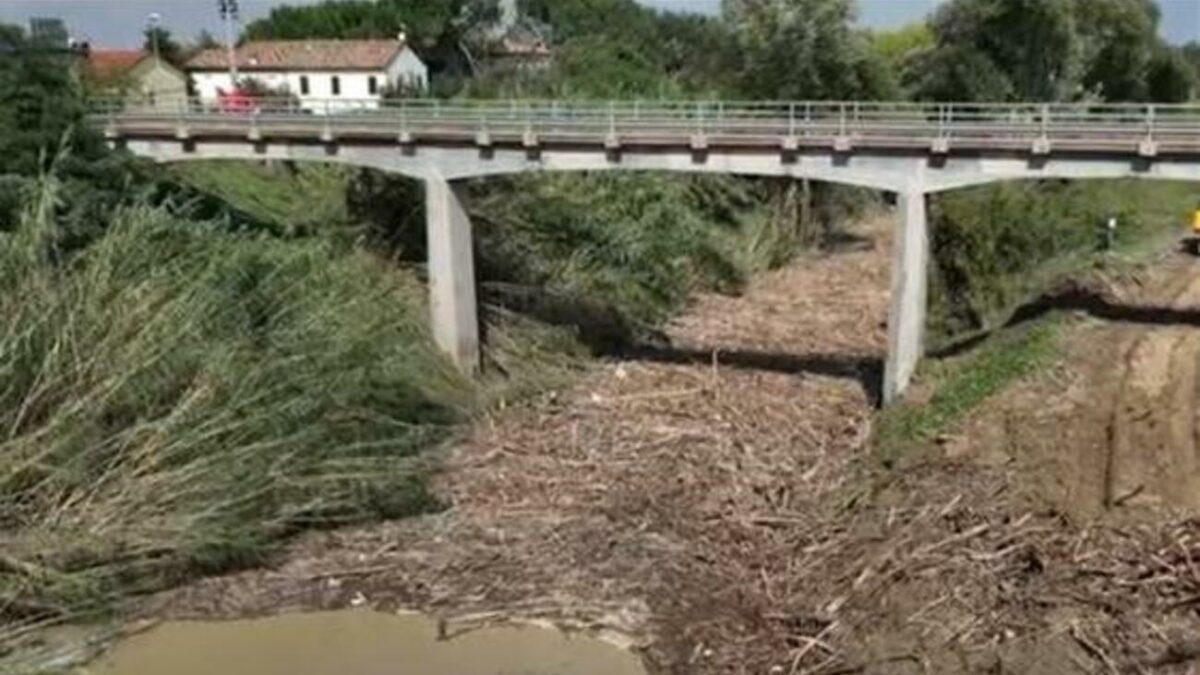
(175,399)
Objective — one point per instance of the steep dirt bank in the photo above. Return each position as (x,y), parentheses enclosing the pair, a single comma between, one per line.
(718,500)
(1111,432)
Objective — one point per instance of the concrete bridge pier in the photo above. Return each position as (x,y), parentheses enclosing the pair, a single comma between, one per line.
(906,321)
(452,303)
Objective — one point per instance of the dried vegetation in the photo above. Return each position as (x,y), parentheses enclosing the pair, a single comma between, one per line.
(719,502)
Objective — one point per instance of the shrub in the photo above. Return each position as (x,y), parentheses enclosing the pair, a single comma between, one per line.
(175,397)
(994,246)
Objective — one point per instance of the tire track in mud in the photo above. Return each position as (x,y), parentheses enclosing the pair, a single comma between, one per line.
(1152,433)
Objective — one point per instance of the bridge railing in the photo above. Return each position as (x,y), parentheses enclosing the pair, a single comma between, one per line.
(1096,125)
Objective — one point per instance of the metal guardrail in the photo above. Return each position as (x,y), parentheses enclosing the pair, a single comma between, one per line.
(1142,128)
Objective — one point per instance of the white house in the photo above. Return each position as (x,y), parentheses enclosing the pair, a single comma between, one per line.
(322,74)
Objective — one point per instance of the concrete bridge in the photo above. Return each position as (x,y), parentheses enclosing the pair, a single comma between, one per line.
(908,149)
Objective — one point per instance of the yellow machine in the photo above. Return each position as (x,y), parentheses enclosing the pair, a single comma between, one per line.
(1193,242)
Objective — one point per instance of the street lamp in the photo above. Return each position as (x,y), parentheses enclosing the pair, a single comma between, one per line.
(153,21)
(229,14)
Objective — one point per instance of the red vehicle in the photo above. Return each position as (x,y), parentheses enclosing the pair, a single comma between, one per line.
(236,102)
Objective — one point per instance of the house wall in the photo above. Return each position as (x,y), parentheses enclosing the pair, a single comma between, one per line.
(354,93)
(409,71)
(154,85)
(164,86)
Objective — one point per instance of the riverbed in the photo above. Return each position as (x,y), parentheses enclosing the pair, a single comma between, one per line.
(361,643)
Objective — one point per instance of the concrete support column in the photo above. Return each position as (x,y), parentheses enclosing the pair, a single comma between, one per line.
(906,323)
(452,303)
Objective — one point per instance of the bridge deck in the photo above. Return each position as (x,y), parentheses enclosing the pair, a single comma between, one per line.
(910,149)
(1142,129)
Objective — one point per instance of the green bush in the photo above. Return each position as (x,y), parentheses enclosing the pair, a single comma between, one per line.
(994,246)
(612,254)
(175,397)
(637,243)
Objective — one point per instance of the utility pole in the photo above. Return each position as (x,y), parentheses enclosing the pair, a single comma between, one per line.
(229,14)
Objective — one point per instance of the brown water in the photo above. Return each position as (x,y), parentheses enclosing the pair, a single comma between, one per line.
(359,643)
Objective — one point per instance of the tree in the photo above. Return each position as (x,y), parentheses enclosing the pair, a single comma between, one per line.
(1171,78)
(566,20)
(594,68)
(1048,50)
(959,73)
(205,40)
(661,53)
(1119,40)
(804,49)
(1019,49)
(897,46)
(900,49)
(41,102)
(160,39)
(1191,53)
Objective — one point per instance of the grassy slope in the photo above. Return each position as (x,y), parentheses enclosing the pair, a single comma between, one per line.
(1151,217)
(632,246)
(297,197)
(959,385)
(178,397)
(999,246)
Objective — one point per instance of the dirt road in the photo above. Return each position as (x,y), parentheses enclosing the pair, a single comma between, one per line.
(1153,458)
(718,503)
(1112,432)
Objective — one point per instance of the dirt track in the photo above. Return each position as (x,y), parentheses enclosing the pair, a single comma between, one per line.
(718,502)
(1153,454)
(1112,431)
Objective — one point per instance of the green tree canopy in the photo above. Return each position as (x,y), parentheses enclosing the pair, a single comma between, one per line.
(1171,78)
(1049,50)
(41,102)
(804,49)
(1191,54)
(204,40)
(900,48)
(636,51)
(1118,39)
(896,46)
(1002,50)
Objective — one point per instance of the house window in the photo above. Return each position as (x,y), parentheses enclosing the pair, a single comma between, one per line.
(335,85)
(304,85)
(372,85)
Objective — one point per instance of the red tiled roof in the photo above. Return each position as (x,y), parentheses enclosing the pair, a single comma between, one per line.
(111,63)
(303,55)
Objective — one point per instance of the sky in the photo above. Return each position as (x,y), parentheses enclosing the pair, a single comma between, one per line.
(118,23)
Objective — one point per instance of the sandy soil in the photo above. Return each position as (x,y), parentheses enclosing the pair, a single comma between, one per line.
(718,502)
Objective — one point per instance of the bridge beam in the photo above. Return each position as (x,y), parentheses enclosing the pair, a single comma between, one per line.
(906,322)
(452,303)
